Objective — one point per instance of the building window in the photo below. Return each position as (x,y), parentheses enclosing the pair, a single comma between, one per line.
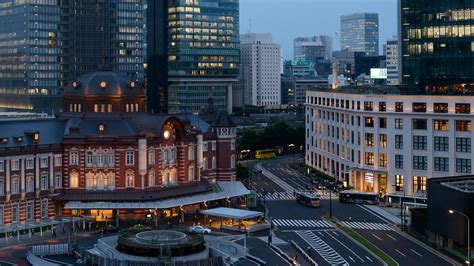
(151,156)
(369,158)
(57,180)
(383,122)
(399,161)
(15,186)
(191,153)
(463,166)
(398,142)
(441,164)
(463,145)
(129,158)
(399,183)
(204,146)
(419,107)
(399,107)
(2,166)
(30,184)
(191,173)
(214,162)
(463,125)
(30,211)
(463,108)
(1,215)
(232,162)
(383,140)
(15,165)
(58,160)
(383,160)
(382,106)
(74,179)
(420,163)
(44,209)
(420,124)
(74,156)
(29,164)
(420,143)
(129,179)
(369,139)
(441,125)
(15,213)
(440,107)
(44,162)
(151,178)
(369,122)
(205,163)
(368,106)
(441,143)
(44,182)
(419,184)
(2,187)
(232,145)
(214,144)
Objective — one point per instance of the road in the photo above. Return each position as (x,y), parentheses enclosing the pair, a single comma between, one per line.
(328,246)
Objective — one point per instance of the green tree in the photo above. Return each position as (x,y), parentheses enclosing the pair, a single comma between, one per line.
(242,172)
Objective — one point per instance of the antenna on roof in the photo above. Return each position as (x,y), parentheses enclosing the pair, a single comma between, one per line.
(250,26)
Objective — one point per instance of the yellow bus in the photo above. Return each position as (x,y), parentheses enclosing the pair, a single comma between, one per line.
(265,154)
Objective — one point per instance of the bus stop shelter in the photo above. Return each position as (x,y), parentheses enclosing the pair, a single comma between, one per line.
(238,219)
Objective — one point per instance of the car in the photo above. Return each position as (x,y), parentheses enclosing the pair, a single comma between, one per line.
(198,229)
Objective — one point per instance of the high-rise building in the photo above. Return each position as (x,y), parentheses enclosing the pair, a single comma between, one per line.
(193,54)
(45,43)
(312,48)
(392,55)
(437,42)
(360,33)
(261,69)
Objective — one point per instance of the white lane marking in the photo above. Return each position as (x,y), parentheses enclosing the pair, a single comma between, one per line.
(345,247)
(416,252)
(377,237)
(369,259)
(400,252)
(393,238)
(352,259)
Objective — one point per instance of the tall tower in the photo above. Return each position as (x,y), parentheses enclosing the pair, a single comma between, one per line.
(360,33)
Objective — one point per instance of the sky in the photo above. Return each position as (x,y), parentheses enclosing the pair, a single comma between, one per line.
(287,19)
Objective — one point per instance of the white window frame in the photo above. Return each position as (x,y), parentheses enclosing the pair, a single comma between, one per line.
(129,157)
(15,185)
(205,146)
(214,145)
(30,183)
(232,145)
(2,216)
(44,162)
(151,178)
(74,157)
(151,156)
(129,179)
(29,163)
(2,186)
(15,210)
(191,173)
(44,211)
(58,160)
(191,152)
(232,161)
(2,166)
(214,162)
(44,179)
(15,165)
(58,180)
(30,210)
(205,163)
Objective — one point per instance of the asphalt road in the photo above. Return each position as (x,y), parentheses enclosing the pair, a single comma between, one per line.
(305,226)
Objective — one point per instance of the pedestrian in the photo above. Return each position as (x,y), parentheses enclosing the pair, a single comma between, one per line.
(54,232)
(308,249)
(270,239)
(350,219)
(63,231)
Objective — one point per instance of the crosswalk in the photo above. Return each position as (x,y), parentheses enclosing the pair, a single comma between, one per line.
(368,226)
(287,195)
(323,249)
(302,223)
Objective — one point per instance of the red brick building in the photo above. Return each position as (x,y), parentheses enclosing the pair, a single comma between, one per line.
(105,148)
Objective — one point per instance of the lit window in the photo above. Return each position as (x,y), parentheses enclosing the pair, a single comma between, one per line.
(74,179)
(399,183)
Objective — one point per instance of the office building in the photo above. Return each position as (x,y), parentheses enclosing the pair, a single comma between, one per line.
(378,140)
(261,69)
(297,79)
(193,54)
(45,43)
(437,42)
(105,159)
(360,33)
(392,54)
(312,48)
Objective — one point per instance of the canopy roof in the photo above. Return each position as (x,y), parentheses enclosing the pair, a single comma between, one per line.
(230,213)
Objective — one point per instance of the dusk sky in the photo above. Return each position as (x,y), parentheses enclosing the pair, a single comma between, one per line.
(287,19)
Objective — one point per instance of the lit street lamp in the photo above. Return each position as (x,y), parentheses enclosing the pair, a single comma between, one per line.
(451,211)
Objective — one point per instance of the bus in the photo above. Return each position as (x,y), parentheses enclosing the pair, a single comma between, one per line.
(351,196)
(265,154)
(308,199)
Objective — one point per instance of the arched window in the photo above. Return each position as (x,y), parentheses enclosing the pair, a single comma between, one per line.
(174,177)
(169,156)
(73,180)
(151,156)
(165,178)
(214,162)
(89,181)
(191,173)
(151,178)
(129,179)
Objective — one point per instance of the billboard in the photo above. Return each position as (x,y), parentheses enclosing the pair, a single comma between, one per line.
(378,73)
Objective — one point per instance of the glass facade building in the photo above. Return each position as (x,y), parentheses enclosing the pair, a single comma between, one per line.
(437,38)
(198,39)
(44,44)
(360,33)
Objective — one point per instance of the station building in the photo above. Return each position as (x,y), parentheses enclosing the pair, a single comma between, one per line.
(384,141)
(106,158)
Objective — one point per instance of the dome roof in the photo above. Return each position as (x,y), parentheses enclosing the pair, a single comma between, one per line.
(104,84)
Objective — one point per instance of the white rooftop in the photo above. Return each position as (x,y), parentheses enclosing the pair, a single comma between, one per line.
(230,213)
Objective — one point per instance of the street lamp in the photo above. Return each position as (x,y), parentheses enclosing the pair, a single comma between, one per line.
(451,211)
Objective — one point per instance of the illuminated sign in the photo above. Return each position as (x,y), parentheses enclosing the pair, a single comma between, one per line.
(378,73)
(369,177)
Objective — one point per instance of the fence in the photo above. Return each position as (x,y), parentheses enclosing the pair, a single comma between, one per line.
(49,250)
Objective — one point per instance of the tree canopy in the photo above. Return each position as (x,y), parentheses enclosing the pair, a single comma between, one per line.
(278,134)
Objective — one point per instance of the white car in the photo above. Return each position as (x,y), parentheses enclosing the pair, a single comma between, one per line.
(198,229)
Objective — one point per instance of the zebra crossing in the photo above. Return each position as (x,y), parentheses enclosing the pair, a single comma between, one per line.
(289,195)
(322,248)
(368,226)
(301,223)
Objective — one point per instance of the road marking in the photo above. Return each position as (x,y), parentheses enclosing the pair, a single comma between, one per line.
(374,213)
(393,238)
(369,259)
(377,237)
(346,247)
(416,252)
(322,248)
(400,252)
(352,259)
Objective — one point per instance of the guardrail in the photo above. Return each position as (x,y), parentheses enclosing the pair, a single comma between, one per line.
(283,255)
(306,255)
(48,250)
(256,260)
